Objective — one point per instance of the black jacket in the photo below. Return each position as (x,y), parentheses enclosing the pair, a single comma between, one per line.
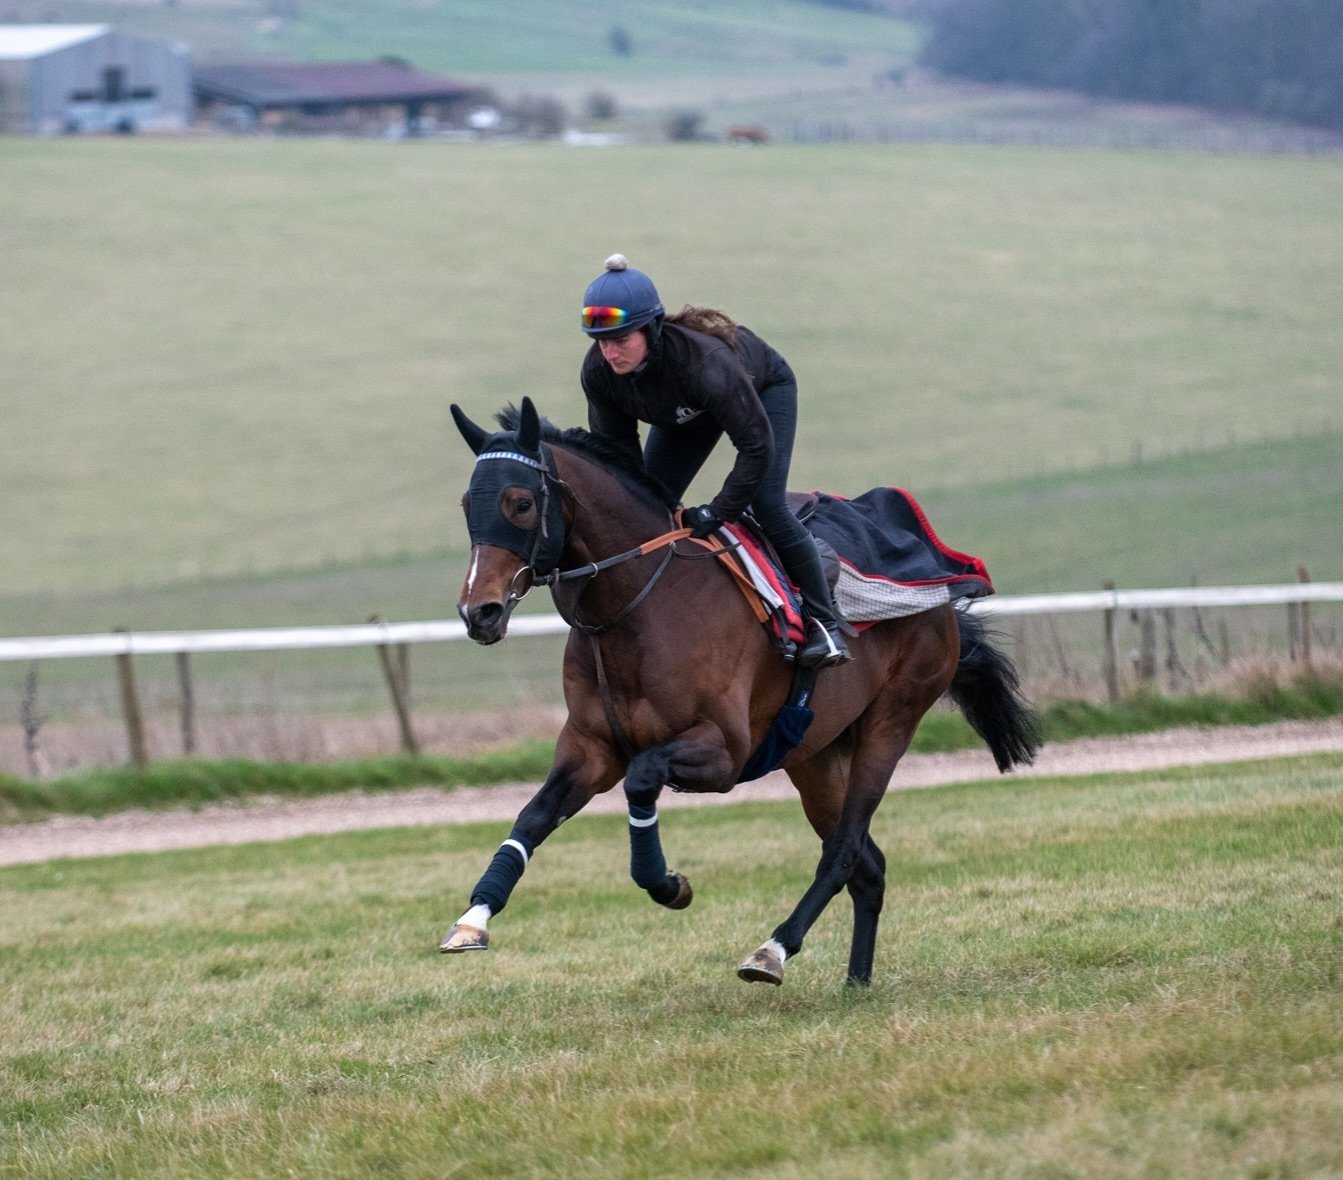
(687,374)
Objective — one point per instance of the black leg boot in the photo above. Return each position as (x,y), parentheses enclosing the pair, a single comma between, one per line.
(823,644)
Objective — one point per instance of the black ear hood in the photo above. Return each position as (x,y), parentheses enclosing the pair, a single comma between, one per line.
(529,429)
(475,435)
(513,458)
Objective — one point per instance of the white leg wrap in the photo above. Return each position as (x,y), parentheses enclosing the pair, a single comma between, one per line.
(477,916)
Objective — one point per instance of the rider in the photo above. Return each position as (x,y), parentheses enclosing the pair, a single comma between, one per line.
(693,377)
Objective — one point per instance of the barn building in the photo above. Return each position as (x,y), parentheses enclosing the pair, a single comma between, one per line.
(69,78)
(346,97)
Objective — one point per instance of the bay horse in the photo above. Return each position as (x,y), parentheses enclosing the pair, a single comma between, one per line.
(670,680)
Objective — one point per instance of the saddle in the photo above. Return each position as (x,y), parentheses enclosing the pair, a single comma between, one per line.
(881,557)
(882,560)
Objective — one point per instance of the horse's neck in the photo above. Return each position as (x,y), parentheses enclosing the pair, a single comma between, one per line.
(606,518)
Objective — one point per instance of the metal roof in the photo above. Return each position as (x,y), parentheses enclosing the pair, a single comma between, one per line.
(328,83)
(24,42)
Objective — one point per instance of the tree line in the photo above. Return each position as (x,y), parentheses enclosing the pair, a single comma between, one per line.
(1279,58)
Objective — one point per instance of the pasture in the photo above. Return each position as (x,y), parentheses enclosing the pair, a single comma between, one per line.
(228,365)
(1118,976)
(230,358)
(543,46)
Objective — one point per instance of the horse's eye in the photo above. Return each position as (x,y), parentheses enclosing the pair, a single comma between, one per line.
(519,507)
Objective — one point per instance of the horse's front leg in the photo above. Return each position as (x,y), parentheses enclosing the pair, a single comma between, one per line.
(579,773)
(696,760)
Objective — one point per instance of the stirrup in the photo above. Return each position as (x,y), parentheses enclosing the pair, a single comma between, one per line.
(825,646)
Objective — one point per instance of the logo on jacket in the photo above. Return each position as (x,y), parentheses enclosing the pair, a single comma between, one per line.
(686,414)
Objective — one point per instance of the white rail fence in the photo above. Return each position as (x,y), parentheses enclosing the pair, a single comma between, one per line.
(392,639)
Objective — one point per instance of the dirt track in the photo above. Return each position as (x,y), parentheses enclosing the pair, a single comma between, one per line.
(276,819)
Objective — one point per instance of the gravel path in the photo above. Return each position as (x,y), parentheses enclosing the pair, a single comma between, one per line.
(279,819)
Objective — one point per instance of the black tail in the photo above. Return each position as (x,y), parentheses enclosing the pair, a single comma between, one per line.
(988,690)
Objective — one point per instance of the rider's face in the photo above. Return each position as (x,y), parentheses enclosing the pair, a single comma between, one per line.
(625,353)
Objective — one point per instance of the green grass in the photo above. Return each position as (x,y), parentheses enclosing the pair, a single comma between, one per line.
(1125,976)
(192,782)
(236,357)
(1234,514)
(528,38)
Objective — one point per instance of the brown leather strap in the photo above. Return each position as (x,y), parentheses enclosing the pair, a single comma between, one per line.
(618,734)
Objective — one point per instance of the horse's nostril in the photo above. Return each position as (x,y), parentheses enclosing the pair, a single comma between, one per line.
(486,614)
(484,622)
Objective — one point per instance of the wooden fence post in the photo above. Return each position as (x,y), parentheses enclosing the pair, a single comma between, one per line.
(397,675)
(130,705)
(31,721)
(1111,655)
(1303,576)
(1146,646)
(188,703)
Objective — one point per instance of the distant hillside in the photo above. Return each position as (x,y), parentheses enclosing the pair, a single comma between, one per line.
(723,40)
(1263,57)
(805,70)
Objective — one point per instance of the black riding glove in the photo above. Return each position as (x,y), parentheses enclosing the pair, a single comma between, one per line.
(701,521)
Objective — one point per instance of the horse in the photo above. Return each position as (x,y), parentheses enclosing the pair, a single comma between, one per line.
(670,680)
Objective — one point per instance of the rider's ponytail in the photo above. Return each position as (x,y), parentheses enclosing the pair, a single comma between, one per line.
(708,320)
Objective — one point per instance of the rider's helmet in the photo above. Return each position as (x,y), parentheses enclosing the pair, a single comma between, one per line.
(619,300)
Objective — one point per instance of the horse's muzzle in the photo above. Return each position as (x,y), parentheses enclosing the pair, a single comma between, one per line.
(486,623)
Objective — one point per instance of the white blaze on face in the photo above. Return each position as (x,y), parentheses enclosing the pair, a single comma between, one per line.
(472,572)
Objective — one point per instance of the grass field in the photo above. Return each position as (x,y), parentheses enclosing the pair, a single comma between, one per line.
(530,42)
(228,366)
(227,357)
(1125,976)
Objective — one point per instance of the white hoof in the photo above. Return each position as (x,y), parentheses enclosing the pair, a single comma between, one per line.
(465,938)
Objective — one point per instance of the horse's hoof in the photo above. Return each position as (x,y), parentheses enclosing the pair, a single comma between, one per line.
(465,938)
(684,894)
(762,967)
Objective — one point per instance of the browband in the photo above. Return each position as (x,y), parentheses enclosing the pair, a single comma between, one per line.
(515,456)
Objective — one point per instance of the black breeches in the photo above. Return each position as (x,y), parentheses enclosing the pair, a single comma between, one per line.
(675,457)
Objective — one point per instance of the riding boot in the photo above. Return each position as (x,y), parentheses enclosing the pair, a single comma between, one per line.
(823,644)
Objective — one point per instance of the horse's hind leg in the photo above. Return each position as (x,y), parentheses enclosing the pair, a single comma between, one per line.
(841,812)
(822,783)
(843,852)
(867,888)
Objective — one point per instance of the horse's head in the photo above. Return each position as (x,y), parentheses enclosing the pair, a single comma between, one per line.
(515,517)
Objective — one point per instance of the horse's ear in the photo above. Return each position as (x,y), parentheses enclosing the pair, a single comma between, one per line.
(529,429)
(475,435)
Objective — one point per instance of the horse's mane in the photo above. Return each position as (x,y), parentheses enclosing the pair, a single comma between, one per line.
(600,450)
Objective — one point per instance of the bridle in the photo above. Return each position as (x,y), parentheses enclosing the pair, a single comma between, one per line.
(540,548)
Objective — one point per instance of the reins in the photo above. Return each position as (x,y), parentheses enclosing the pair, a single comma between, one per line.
(666,541)
(596,567)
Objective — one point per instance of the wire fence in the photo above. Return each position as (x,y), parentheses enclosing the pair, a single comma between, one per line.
(311,693)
